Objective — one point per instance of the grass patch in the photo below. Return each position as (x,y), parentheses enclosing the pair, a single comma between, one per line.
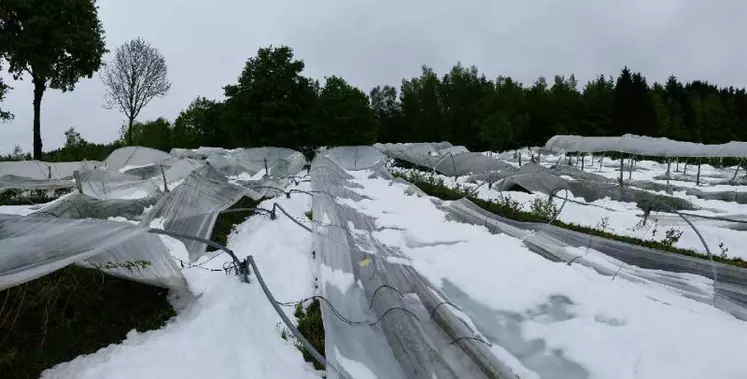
(70,312)
(310,325)
(310,215)
(226,222)
(510,209)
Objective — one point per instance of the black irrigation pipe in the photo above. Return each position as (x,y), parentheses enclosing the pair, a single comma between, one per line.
(244,272)
(317,356)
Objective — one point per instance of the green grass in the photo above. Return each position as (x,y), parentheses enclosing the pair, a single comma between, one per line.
(311,326)
(71,312)
(435,187)
(226,222)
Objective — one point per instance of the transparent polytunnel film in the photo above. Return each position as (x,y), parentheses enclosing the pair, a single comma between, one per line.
(404,340)
(647,146)
(35,246)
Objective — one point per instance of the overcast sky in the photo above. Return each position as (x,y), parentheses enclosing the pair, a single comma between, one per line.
(206,43)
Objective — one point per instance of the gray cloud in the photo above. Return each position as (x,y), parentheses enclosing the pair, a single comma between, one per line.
(206,43)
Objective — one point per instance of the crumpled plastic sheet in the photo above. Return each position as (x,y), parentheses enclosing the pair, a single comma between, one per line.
(9,182)
(444,158)
(35,246)
(402,345)
(45,170)
(729,293)
(113,185)
(77,206)
(643,145)
(276,160)
(592,191)
(193,207)
(134,156)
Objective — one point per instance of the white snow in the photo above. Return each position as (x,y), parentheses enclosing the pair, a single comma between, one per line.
(615,328)
(229,329)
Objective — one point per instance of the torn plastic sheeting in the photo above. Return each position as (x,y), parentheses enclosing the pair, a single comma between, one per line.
(193,207)
(417,350)
(35,246)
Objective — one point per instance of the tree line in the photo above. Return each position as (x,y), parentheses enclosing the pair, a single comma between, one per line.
(272,103)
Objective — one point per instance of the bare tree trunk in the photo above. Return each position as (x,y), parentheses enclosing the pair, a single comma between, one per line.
(39,88)
(131,121)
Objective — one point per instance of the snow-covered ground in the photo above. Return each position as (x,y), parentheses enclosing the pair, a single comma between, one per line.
(228,329)
(544,319)
(557,320)
(625,218)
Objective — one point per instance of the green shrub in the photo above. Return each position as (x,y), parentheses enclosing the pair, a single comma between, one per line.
(70,312)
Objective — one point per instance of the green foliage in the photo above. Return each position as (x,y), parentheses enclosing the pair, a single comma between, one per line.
(436,188)
(225,222)
(4,115)
(311,326)
(272,103)
(201,124)
(343,116)
(155,134)
(544,208)
(671,237)
(71,312)
(56,42)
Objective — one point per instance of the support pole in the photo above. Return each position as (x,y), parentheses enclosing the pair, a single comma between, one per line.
(163,175)
(76,175)
(630,168)
(622,169)
(697,178)
(669,170)
(583,161)
(736,171)
(520,159)
(49,172)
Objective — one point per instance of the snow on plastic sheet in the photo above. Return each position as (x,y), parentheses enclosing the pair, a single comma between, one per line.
(559,320)
(643,145)
(403,344)
(134,156)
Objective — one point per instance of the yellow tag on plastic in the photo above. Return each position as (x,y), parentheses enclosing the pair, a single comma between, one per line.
(364,262)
